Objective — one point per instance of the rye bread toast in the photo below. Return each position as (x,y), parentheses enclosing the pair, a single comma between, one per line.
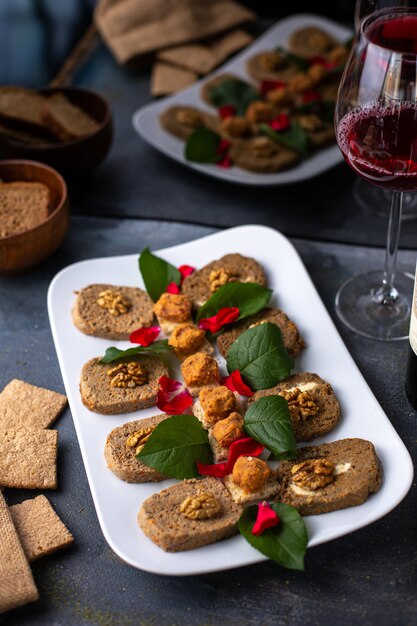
(23,205)
(92,319)
(182,121)
(351,486)
(321,392)
(162,521)
(22,107)
(121,458)
(66,120)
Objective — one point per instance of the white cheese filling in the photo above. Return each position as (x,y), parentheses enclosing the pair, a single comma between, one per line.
(340,468)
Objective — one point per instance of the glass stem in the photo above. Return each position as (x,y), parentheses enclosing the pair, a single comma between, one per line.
(388,293)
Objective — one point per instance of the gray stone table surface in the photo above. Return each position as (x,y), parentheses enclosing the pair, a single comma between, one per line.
(369,577)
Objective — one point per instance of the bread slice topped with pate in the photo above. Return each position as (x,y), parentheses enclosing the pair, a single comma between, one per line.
(202,284)
(293,341)
(182,121)
(190,514)
(313,405)
(331,476)
(128,385)
(124,443)
(112,312)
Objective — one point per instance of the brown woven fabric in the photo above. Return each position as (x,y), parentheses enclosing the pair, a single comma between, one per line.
(17,586)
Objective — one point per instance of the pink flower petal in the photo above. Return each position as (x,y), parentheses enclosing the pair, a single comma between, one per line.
(240,447)
(269,85)
(235,382)
(186,270)
(280,122)
(145,336)
(173,397)
(266,518)
(224,316)
(172,288)
(227,110)
(226,162)
(311,96)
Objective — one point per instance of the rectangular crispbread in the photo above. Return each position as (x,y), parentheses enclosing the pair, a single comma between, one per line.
(168,79)
(28,458)
(23,205)
(17,586)
(22,404)
(40,530)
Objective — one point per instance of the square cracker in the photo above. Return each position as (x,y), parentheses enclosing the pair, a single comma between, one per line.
(17,586)
(22,404)
(168,79)
(39,528)
(195,57)
(28,458)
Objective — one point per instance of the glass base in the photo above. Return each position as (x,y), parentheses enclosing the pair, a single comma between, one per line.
(360,305)
(377,201)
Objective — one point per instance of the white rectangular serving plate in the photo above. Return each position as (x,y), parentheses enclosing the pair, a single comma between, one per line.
(117,503)
(146,119)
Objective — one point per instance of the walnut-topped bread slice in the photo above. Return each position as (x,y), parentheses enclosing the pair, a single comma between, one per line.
(111,311)
(313,405)
(311,41)
(292,339)
(200,285)
(124,443)
(182,121)
(331,476)
(271,65)
(122,387)
(190,514)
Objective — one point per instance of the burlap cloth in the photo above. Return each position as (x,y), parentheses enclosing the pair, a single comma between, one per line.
(134,28)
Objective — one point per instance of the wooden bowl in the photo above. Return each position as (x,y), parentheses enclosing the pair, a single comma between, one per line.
(70,157)
(24,250)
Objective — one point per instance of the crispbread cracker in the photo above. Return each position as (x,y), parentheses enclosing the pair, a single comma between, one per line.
(28,458)
(195,57)
(168,79)
(17,586)
(22,404)
(230,43)
(40,530)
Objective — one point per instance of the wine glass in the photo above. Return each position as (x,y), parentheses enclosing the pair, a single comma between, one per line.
(376,130)
(369,197)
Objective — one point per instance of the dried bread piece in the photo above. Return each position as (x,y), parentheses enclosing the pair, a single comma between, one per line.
(261,154)
(310,41)
(198,286)
(293,341)
(328,409)
(23,206)
(22,404)
(357,475)
(121,457)
(167,79)
(40,530)
(28,458)
(97,320)
(163,522)
(181,121)
(22,107)
(99,395)
(25,135)
(17,586)
(66,120)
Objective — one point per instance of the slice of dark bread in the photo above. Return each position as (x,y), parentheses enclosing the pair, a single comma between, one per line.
(351,487)
(66,120)
(322,394)
(92,319)
(100,396)
(121,458)
(22,107)
(196,286)
(182,121)
(25,135)
(260,154)
(292,338)
(310,41)
(259,70)
(23,206)
(162,521)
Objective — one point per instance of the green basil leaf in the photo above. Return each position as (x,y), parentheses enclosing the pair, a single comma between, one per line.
(285,543)
(248,297)
(323,108)
(234,92)
(299,62)
(175,445)
(202,146)
(295,138)
(157,274)
(268,420)
(260,356)
(115,354)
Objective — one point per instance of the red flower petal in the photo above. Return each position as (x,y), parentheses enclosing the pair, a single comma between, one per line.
(227,110)
(240,447)
(223,147)
(186,270)
(173,397)
(226,162)
(311,96)
(318,60)
(172,288)
(280,122)
(269,85)
(235,382)
(226,315)
(266,518)
(145,336)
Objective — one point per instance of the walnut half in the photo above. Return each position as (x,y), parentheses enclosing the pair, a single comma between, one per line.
(139,438)
(201,506)
(130,374)
(300,403)
(313,474)
(220,277)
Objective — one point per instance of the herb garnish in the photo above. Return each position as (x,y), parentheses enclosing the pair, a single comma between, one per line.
(299,62)
(203,146)
(234,92)
(322,108)
(155,348)
(260,356)
(268,420)
(249,298)
(295,138)
(157,274)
